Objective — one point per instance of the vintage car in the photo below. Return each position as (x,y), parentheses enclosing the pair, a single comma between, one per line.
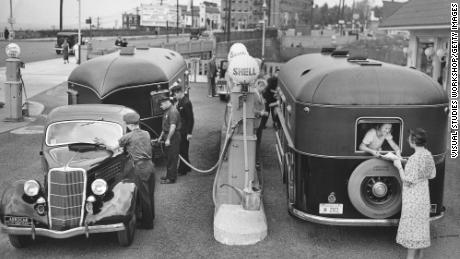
(136,78)
(328,101)
(85,189)
(72,39)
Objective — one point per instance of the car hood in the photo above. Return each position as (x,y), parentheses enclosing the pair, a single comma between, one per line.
(62,157)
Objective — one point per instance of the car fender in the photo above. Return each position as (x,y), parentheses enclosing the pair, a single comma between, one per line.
(121,206)
(14,204)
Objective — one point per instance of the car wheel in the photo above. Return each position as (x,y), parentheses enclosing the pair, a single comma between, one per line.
(126,237)
(374,189)
(19,241)
(58,52)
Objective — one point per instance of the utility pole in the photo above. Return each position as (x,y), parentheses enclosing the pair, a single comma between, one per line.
(177,17)
(229,22)
(191,10)
(79,22)
(60,15)
(264,6)
(11,20)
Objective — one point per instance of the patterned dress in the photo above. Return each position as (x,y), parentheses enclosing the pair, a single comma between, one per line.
(414,226)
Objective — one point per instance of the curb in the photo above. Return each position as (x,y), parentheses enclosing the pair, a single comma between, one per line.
(35,109)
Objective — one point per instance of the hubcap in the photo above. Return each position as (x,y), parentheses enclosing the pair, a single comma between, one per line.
(379,189)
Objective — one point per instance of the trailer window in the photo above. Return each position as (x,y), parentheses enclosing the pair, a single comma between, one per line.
(368,128)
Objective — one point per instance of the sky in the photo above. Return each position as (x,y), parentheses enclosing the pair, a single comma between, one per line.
(44,14)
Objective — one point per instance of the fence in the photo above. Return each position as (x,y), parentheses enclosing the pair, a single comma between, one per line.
(198,68)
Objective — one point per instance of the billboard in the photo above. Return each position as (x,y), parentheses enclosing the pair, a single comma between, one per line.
(157,14)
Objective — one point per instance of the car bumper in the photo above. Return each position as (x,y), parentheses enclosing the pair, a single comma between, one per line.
(85,230)
(349,222)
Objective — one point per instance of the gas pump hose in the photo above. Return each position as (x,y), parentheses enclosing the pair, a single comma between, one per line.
(228,136)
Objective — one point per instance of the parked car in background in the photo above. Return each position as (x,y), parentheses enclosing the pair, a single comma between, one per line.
(72,39)
(195,33)
(85,189)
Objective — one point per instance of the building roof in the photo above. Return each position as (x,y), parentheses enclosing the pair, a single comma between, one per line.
(420,14)
(390,7)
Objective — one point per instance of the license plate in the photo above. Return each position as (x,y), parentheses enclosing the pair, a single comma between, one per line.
(17,221)
(330,208)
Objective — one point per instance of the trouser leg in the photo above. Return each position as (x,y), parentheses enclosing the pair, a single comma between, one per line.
(173,157)
(213,86)
(184,147)
(210,86)
(145,181)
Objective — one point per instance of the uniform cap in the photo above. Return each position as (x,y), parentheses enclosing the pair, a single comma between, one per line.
(176,88)
(131,118)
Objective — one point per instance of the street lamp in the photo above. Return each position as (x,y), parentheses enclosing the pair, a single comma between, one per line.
(264,7)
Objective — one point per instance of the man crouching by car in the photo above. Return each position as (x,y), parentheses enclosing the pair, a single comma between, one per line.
(137,144)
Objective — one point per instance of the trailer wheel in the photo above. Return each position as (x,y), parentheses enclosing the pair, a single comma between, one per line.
(374,189)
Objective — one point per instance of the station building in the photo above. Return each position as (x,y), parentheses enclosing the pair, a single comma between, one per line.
(428,23)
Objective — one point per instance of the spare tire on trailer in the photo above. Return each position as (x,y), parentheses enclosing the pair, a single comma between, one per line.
(375,189)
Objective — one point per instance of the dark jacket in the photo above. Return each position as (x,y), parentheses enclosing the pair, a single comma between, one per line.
(212,69)
(269,90)
(186,113)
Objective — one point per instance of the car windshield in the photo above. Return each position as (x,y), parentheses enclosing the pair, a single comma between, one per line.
(68,132)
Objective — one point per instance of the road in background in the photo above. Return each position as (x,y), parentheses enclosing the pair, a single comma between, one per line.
(43,49)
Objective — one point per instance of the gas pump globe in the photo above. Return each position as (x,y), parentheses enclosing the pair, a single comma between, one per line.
(12,50)
(243,71)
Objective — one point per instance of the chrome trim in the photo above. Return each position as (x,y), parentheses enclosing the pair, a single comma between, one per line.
(348,222)
(63,234)
(64,169)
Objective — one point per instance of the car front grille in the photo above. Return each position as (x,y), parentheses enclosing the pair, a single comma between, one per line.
(66,197)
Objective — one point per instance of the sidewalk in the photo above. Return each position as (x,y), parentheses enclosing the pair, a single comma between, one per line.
(38,77)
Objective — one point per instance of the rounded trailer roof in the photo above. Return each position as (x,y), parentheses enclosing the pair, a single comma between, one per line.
(328,80)
(110,72)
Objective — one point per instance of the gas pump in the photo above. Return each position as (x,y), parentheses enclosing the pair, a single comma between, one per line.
(13,84)
(240,218)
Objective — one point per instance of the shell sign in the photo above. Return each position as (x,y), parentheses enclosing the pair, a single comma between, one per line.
(243,69)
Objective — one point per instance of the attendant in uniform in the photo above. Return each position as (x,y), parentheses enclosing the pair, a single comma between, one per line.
(170,133)
(184,106)
(140,167)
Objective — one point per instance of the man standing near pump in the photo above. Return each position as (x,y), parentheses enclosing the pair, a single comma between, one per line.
(184,106)
(171,126)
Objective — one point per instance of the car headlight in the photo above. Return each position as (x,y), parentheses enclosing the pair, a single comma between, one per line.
(31,188)
(99,186)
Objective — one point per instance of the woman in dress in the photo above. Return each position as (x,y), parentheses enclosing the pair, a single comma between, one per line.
(414,225)
(374,138)
(65,51)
